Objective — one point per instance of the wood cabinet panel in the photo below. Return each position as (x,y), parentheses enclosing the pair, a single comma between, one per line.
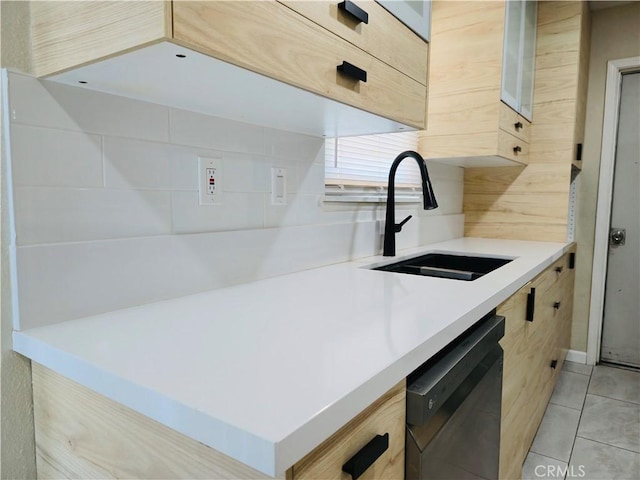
(82,434)
(301,53)
(466,48)
(466,118)
(515,210)
(386,415)
(266,37)
(498,227)
(515,124)
(561,62)
(68,34)
(512,147)
(529,349)
(516,181)
(384,37)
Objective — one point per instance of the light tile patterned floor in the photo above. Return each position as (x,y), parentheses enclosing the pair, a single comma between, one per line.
(591,428)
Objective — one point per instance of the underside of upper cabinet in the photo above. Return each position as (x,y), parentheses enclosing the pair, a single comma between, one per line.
(249,45)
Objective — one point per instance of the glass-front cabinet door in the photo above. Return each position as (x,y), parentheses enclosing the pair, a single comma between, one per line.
(415,14)
(518,63)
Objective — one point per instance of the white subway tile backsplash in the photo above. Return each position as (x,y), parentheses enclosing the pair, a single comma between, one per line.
(246,173)
(237,211)
(183,166)
(302,209)
(50,214)
(131,164)
(48,104)
(293,146)
(50,157)
(279,215)
(311,178)
(108,216)
(196,129)
(65,281)
(136,164)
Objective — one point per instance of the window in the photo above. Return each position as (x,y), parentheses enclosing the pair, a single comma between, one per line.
(357,168)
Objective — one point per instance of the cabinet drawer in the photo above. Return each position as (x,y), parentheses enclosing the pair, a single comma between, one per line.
(385,415)
(513,148)
(558,270)
(300,53)
(384,36)
(515,124)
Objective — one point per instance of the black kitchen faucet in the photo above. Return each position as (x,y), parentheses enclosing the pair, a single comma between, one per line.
(428,198)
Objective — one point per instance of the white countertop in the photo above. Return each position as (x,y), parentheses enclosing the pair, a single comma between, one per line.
(266,371)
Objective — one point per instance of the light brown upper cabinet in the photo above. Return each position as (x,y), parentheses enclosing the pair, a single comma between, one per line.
(375,64)
(482,61)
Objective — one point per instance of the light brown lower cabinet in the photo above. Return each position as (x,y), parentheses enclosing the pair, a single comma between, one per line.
(81,434)
(385,416)
(537,335)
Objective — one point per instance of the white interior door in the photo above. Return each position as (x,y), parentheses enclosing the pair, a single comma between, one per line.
(621,323)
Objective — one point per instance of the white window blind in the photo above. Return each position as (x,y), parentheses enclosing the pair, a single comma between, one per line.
(365,161)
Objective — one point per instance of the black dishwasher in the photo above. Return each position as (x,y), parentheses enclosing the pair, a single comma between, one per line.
(453,408)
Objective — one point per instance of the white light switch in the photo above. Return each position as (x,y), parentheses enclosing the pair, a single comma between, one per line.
(209,179)
(278,186)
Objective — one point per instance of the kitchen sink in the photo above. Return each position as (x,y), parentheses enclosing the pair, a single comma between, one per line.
(459,267)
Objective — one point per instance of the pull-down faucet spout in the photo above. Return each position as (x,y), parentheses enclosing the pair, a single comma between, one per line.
(428,199)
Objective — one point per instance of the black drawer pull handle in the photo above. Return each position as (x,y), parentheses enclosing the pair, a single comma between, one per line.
(366,456)
(559,269)
(518,125)
(354,10)
(554,364)
(531,303)
(556,305)
(517,149)
(352,71)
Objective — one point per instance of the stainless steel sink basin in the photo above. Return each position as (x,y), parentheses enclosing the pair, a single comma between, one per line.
(459,267)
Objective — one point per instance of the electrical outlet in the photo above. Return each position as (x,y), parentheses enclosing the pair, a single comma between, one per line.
(278,186)
(209,180)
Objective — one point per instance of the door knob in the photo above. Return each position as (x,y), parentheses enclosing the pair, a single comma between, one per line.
(617,236)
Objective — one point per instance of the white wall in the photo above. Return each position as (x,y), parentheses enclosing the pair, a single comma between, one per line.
(614,35)
(107,214)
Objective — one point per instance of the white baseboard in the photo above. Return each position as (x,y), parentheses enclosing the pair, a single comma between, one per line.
(576,356)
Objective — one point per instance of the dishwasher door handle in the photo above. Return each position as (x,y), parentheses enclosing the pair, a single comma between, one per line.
(428,390)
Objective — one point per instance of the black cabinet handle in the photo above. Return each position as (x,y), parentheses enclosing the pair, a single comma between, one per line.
(559,269)
(518,125)
(556,305)
(554,364)
(352,71)
(366,456)
(517,149)
(354,10)
(531,303)
(572,260)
